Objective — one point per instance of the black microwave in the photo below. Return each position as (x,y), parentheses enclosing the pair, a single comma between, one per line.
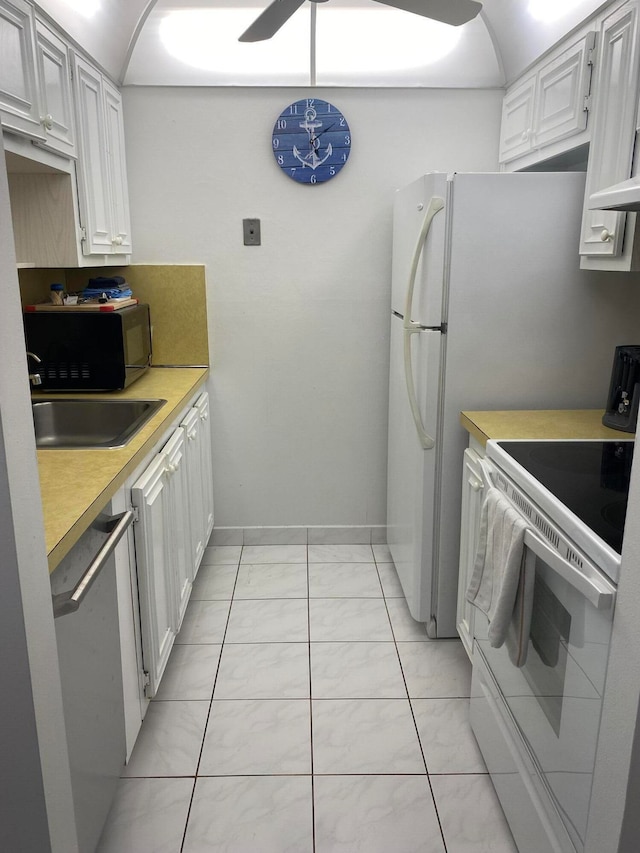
(81,350)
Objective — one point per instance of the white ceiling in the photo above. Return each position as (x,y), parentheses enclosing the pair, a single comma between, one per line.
(493,50)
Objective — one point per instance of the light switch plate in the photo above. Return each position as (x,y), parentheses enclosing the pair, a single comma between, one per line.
(251,231)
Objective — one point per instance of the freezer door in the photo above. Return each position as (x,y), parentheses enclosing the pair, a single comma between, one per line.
(411,206)
(412,471)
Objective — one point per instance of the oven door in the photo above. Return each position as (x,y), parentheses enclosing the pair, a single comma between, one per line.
(553,702)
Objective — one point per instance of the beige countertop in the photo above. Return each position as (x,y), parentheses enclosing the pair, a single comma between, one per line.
(539,424)
(76,484)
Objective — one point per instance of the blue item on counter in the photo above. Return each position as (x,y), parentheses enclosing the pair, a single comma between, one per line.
(113,287)
(110,293)
(104,281)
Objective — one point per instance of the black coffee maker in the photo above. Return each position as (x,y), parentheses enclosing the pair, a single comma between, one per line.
(624,391)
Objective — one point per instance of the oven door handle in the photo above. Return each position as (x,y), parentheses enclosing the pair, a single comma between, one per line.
(599,591)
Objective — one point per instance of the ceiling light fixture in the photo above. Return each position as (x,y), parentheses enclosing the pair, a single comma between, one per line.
(340,40)
(551,10)
(86,8)
(207,39)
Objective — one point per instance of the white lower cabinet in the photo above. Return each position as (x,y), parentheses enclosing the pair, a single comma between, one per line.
(179,521)
(204,450)
(472,496)
(150,495)
(172,493)
(197,429)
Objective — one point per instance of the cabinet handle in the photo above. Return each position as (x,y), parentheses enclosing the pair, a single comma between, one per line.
(191,435)
(117,241)
(171,468)
(204,416)
(70,601)
(47,122)
(606,235)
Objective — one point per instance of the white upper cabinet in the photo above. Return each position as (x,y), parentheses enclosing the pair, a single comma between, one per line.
(56,102)
(606,240)
(35,80)
(543,113)
(19,108)
(102,176)
(562,105)
(516,132)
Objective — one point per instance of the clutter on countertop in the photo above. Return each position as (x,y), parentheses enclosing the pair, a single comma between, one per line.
(57,294)
(103,293)
(87,305)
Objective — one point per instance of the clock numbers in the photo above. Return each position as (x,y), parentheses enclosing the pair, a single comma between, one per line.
(311,141)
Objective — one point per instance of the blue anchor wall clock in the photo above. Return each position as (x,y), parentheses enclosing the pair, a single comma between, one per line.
(311,141)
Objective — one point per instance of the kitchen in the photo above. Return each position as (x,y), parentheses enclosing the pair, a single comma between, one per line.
(193,214)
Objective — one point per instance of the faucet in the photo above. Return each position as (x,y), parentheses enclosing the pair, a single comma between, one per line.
(34,378)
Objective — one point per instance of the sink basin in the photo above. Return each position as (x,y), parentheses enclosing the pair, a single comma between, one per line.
(81,423)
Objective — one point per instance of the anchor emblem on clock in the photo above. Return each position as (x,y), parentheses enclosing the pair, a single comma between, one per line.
(311,124)
(311,141)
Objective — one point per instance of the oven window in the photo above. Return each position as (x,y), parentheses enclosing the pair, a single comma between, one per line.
(547,669)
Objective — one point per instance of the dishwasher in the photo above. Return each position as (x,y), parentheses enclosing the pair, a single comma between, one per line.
(85,608)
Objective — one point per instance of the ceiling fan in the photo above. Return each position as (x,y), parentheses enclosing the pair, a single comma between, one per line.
(454,12)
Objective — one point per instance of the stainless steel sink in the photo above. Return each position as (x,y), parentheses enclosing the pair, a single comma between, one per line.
(85,423)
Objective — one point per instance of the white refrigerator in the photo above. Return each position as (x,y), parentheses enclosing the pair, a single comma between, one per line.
(489,311)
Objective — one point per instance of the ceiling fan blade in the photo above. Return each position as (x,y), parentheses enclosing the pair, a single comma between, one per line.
(453,12)
(269,22)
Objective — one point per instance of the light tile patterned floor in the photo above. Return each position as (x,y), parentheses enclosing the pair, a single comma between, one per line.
(304,710)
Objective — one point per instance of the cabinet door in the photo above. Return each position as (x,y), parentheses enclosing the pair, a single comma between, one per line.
(157,595)
(56,104)
(206,466)
(93,176)
(516,133)
(120,222)
(613,132)
(178,528)
(19,108)
(563,87)
(191,425)
(472,495)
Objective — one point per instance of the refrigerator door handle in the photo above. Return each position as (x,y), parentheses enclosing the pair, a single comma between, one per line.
(410,328)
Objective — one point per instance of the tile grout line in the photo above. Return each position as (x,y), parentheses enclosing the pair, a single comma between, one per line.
(413,717)
(313,791)
(213,688)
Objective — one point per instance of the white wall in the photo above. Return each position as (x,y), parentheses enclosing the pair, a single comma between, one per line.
(299,325)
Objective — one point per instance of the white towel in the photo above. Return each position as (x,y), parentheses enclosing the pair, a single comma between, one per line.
(500,585)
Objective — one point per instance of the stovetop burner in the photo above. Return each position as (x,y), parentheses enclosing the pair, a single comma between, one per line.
(591,478)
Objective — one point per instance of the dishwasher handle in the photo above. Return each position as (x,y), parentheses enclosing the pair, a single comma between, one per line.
(70,601)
